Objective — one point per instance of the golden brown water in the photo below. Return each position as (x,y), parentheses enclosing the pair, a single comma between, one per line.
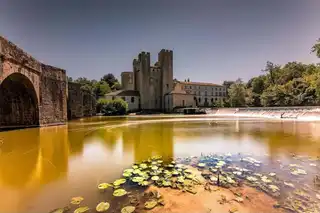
(40,169)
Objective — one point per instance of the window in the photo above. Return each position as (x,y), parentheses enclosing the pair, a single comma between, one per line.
(123,98)
(199,100)
(220,94)
(219,89)
(205,93)
(216,93)
(167,86)
(132,99)
(211,100)
(182,102)
(216,99)
(112,97)
(212,93)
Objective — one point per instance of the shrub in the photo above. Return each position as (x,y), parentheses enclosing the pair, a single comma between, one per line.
(112,107)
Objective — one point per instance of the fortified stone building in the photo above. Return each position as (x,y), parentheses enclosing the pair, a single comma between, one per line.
(150,87)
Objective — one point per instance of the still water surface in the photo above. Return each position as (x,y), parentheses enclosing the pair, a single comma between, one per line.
(42,168)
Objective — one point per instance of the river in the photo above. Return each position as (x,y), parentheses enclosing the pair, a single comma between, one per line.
(42,168)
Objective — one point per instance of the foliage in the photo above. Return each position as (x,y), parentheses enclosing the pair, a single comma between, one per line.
(107,84)
(293,84)
(316,48)
(237,94)
(112,107)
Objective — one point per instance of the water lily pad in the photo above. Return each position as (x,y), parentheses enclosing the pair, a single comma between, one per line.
(136,171)
(81,209)
(150,204)
(103,206)
(180,179)
(166,183)
(127,174)
(187,182)
(189,176)
(155,178)
(76,200)
(191,190)
(128,171)
(154,167)
(144,183)
(188,171)
(119,192)
(274,188)
(230,180)
(159,161)
(154,162)
(201,165)
(104,186)
(119,182)
(135,167)
(265,179)
(143,166)
(137,179)
(252,179)
(128,209)
(175,172)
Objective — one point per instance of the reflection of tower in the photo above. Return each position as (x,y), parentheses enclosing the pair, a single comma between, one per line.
(155,139)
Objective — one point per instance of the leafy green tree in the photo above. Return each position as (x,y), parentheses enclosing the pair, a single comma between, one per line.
(101,88)
(316,48)
(237,94)
(110,79)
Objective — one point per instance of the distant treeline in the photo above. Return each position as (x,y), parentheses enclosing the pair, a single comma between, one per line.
(292,84)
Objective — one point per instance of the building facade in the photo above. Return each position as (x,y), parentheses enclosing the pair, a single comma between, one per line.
(132,97)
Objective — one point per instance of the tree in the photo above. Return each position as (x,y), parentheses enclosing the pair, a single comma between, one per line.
(116,86)
(237,94)
(316,48)
(271,69)
(101,88)
(110,79)
(69,79)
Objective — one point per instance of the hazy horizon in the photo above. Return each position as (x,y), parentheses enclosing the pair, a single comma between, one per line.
(211,41)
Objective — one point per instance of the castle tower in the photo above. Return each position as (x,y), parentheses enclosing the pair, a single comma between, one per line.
(141,69)
(165,59)
(127,80)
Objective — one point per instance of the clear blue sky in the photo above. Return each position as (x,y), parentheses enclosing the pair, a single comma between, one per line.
(212,40)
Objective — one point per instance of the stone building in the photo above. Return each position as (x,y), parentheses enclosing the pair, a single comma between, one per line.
(194,94)
(152,82)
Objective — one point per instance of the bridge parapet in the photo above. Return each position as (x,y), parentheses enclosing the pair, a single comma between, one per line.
(11,52)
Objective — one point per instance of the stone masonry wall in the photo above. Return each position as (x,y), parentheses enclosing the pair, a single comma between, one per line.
(75,101)
(53,95)
(89,105)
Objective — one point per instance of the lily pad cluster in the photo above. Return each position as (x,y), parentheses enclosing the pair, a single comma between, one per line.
(155,171)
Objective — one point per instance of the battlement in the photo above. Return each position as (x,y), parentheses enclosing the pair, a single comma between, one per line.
(166,51)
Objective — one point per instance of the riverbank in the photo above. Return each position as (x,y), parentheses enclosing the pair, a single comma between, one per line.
(296,113)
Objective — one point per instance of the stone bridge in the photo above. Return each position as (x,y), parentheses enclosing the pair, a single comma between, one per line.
(32,93)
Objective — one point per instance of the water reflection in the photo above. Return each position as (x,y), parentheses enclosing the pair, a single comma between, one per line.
(36,165)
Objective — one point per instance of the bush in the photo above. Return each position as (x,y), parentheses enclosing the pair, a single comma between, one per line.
(112,107)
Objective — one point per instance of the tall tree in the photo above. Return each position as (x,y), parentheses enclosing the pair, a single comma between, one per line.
(237,94)
(110,79)
(316,48)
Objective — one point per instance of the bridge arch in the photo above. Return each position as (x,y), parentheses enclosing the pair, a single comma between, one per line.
(18,102)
